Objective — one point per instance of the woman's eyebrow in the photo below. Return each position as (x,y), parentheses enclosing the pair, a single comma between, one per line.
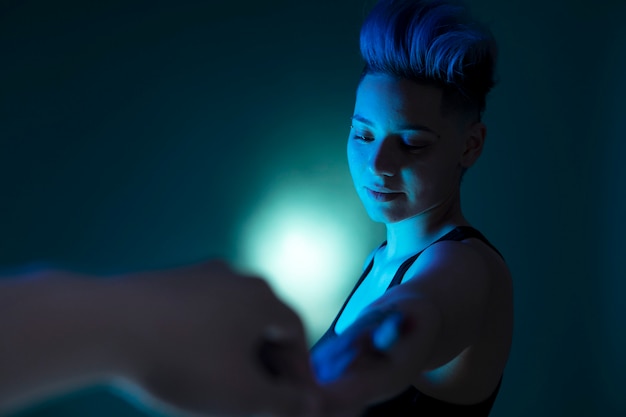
(405,127)
(362,119)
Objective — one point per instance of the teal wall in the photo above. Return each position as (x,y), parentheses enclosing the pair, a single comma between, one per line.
(143,135)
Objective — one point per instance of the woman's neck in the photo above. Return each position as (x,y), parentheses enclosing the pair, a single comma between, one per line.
(413,234)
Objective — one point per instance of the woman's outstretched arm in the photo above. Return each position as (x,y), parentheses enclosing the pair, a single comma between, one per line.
(189,338)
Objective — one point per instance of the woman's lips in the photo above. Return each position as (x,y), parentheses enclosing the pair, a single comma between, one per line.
(382,195)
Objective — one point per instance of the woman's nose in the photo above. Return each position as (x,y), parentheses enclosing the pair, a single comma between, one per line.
(383,160)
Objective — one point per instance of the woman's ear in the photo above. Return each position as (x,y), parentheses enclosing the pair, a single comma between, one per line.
(474,141)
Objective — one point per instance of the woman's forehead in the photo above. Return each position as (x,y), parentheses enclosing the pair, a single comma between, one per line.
(383,99)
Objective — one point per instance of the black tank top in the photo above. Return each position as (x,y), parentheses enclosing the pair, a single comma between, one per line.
(411,402)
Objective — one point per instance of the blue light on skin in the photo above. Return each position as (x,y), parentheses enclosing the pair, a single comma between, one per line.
(332,359)
(329,365)
(387,334)
(404,149)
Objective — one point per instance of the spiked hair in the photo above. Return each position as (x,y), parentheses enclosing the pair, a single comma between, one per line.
(432,42)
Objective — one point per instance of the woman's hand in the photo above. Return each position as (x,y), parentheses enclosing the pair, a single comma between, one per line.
(211,340)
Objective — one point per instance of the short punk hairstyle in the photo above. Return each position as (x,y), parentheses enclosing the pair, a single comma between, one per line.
(432,42)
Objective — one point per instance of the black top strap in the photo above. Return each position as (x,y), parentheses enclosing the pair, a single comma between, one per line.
(457,234)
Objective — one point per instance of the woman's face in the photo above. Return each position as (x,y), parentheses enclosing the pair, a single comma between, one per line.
(405,157)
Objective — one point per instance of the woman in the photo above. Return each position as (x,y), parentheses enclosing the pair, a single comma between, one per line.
(427,329)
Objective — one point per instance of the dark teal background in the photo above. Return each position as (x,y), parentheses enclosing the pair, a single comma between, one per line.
(136,134)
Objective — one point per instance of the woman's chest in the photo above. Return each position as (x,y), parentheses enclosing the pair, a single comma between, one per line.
(369,290)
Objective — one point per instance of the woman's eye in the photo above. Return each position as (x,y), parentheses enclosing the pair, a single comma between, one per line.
(362,136)
(415,147)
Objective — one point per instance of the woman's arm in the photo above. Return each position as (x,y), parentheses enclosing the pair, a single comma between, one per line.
(188,338)
(435,314)
(55,336)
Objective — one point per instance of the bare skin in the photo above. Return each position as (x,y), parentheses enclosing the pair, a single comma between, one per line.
(180,337)
(406,159)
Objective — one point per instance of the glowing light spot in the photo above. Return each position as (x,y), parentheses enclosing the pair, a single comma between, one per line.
(310,246)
